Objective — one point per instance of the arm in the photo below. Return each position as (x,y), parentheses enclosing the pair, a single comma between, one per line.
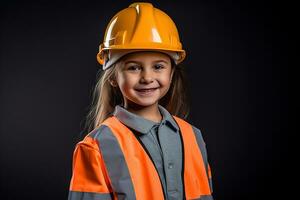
(89,179)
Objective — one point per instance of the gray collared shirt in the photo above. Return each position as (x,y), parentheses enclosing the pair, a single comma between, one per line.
(163,142)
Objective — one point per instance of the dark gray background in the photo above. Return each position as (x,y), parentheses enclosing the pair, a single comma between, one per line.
(237,61)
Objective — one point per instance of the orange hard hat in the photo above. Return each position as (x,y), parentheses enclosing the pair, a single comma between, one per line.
(141,27)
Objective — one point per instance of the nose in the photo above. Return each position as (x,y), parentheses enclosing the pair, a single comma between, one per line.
(146,76)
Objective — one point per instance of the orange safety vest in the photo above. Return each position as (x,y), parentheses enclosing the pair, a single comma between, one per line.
(93,176)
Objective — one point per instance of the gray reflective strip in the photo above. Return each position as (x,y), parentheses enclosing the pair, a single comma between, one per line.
(115,163)
(210,185)
(74,195)
(201,145)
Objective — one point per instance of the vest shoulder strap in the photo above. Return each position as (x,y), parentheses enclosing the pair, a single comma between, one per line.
(196,180)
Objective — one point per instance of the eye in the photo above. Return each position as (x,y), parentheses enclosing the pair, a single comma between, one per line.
(133,67)
(158,66)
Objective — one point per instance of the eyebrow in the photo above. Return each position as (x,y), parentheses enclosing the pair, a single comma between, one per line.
(134,61)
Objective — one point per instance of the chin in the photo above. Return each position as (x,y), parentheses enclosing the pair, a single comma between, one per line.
(145,102)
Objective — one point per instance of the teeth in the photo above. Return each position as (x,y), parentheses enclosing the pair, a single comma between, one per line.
(146,90)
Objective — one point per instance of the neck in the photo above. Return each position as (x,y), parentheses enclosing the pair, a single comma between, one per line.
(148,112)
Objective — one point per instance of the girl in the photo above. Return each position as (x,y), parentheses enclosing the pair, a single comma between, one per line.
(139,145)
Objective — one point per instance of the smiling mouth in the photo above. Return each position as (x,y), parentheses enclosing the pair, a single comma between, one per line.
(146,91)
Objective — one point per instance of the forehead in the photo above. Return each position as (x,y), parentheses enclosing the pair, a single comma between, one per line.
(145,56)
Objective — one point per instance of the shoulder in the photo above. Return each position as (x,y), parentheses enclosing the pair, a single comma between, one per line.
(198,135)
(91,140)
(196,130)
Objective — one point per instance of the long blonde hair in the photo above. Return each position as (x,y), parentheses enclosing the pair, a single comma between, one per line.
(106,97)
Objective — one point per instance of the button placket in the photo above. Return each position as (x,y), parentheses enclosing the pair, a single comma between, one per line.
(156,138)
(170,162)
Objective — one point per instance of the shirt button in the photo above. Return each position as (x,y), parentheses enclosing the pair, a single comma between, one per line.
(170,166)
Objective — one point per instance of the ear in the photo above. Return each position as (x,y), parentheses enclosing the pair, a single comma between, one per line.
(113,83)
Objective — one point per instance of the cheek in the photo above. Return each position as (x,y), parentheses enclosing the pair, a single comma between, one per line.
(125,81)
(165,80)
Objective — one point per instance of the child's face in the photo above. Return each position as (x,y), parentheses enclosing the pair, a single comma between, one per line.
(139,71)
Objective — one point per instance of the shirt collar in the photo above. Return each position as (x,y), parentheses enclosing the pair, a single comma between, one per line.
(141,124)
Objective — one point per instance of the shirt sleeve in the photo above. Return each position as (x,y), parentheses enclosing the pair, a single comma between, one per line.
(203,150)
(89,178)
